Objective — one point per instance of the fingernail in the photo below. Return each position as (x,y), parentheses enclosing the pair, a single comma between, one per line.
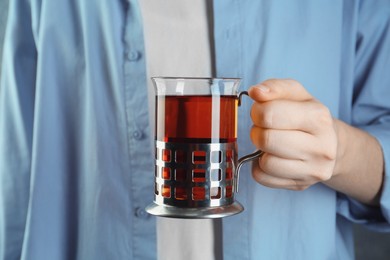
(263,88)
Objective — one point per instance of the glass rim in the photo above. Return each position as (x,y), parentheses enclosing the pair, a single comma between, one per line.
(194,78)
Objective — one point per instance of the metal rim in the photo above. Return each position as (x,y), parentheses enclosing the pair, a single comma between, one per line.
(194,213)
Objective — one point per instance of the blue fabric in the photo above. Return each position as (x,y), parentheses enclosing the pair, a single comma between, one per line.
(76,157)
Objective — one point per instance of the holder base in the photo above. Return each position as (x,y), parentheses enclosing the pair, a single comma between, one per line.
(195,213)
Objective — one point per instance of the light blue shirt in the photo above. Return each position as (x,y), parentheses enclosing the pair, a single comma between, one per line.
(76,157)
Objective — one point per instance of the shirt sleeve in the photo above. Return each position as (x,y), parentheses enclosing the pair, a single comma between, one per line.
(17,88)
(371,104)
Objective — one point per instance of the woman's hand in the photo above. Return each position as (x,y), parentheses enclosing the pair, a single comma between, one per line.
(296,133)
(304,145)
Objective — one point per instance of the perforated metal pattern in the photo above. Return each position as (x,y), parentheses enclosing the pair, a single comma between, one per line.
(195,175)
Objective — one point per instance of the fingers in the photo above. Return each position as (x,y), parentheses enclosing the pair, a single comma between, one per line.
(274,89)
(276,172)
(295,144)
(306,116)
(275,180)
(293,159)
(296,133)
(285,144)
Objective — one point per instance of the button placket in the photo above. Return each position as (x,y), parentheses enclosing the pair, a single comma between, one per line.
(140,169)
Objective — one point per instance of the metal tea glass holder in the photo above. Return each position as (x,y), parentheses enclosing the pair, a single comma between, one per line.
(197,180)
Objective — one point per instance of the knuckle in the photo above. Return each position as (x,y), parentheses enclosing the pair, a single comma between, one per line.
(322,176)
(257,174)
(257,114)
(253,113)
(329,154)
(267,117)
(322,115)
(270,82)
(266,140)
(300,187)
(328,151)
(293,82)
(264,163)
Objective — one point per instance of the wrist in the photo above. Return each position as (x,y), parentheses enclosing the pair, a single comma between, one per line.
(339,168)
(358,170)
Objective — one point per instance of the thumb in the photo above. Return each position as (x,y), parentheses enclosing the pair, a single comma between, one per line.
(274,89)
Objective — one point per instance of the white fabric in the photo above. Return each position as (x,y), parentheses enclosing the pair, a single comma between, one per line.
(177,44)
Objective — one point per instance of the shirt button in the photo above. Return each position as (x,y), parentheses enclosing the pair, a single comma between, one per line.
(141,213)
(137,135)
(133,55)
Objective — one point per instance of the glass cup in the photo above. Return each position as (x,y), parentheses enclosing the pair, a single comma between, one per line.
(197,168)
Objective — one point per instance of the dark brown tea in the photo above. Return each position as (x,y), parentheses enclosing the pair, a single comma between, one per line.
(196,119)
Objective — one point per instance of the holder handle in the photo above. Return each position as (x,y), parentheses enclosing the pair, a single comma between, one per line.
(246,158)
